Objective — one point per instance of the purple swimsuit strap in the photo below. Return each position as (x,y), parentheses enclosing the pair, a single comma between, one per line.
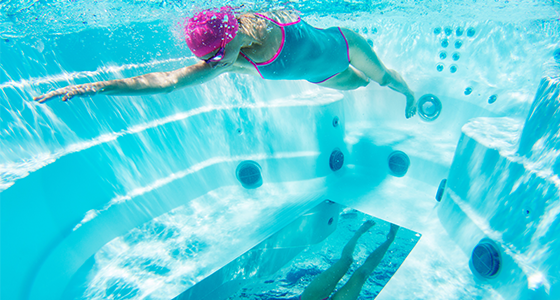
(252,62)
(281,25)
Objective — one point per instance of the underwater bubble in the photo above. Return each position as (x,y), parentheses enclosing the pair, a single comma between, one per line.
(437,30)
(456,56)
(492,99)
(439,67)
(468,91)
(459,31)
(445,43)
(453,68)
(458,44)
(442,55)
(448,31)
(471,32)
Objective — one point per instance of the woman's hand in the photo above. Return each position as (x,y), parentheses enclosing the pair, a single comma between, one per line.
(67,93)
(411,104)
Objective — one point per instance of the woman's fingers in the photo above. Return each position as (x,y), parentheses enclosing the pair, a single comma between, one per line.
(48,96)
(67,93)
(71,94)
(39,98)
(67,97)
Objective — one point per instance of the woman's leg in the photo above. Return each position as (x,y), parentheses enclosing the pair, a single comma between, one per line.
(324,284)
(347,80)
(363,58)
(351,290)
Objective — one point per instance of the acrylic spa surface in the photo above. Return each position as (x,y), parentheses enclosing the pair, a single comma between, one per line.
(138,197)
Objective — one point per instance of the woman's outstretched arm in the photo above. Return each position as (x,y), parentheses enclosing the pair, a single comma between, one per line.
(151,83)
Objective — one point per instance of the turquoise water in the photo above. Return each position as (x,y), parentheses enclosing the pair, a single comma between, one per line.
(293,278)
(79,179)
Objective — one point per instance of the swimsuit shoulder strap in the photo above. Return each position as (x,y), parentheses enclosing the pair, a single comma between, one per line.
(251,62)
(281,25)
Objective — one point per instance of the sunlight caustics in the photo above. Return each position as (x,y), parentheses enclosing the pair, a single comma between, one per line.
(137,197)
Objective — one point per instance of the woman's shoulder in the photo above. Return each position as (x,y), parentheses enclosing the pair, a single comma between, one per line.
(281,16)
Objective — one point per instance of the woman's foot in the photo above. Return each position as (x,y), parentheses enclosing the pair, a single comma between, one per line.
(365,227)
(392,232)
(410,110)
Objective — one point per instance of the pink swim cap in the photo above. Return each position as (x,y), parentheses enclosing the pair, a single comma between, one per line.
(206,31)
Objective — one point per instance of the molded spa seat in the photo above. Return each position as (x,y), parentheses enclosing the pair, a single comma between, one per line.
(91,207)
(500,190)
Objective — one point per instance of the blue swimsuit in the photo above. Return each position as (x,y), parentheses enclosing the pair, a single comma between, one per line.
(306,52)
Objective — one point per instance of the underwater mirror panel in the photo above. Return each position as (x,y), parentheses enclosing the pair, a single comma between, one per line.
(297,260)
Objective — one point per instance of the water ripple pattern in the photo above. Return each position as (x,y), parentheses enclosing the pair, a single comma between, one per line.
(22,18)
(155,141)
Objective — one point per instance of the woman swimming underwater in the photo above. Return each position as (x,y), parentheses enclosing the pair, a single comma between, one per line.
(273,45)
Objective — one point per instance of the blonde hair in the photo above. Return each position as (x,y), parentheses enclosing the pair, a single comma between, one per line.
(253,26)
